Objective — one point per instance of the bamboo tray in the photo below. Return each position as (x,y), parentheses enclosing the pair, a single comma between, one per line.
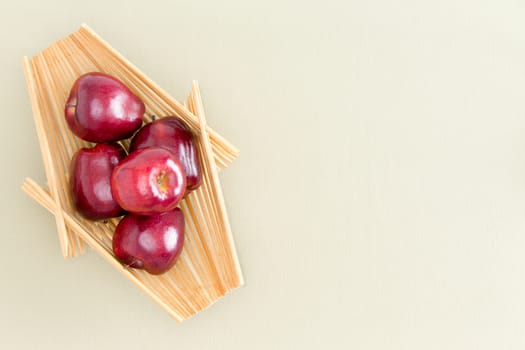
(208,266)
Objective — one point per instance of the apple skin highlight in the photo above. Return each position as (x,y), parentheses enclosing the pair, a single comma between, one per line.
(149,181)
(174,135)
(100,108)
(152,243)
(90,181)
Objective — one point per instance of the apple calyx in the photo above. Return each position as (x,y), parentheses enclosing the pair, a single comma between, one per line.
(163,181)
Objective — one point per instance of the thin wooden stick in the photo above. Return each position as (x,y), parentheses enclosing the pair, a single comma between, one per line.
(56,143)
(46,155)
(216,187)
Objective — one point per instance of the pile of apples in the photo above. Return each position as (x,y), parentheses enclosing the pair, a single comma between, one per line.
(145,184)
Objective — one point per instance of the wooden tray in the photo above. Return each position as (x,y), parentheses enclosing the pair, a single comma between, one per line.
(208,267)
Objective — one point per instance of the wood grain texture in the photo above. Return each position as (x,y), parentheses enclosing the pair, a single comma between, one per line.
(208,266)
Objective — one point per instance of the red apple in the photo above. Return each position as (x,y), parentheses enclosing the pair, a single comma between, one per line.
(174,135)
(91,170)
(149,181)
(100,108)
(152,243)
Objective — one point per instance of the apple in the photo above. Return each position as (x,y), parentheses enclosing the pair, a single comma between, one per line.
(101,108)
(174,135)
(150,180)
(90,177)
(152,243)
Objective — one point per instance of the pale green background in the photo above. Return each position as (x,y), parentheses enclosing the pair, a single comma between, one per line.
(379,200)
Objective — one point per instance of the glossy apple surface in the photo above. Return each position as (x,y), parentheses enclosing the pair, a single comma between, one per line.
(100,108)
(174,135)
(149,181)
(91,170)
(152,243)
